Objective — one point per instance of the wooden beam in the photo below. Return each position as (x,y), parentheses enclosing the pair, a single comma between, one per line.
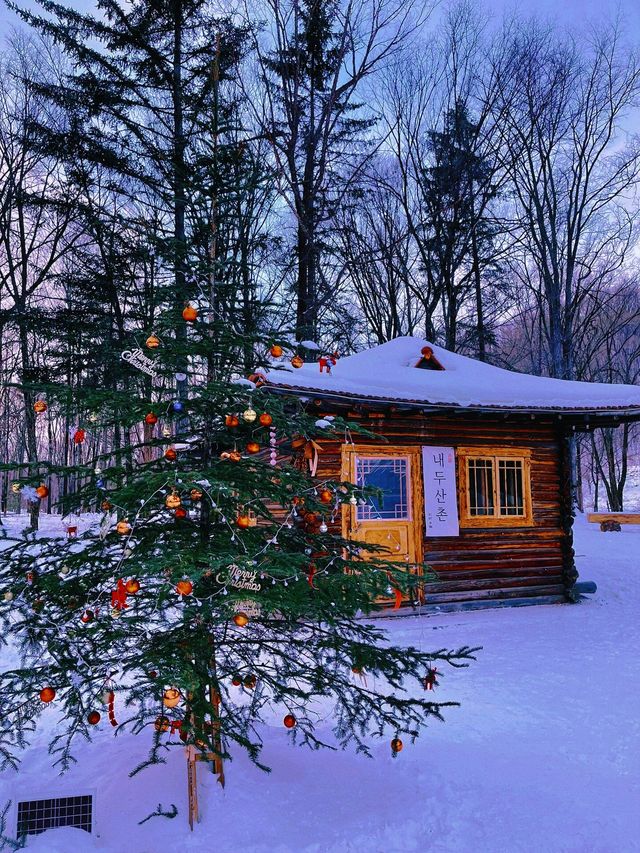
(620,517)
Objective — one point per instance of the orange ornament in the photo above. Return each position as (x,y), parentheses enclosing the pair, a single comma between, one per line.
(47,694)
(132,586)
(93,718)
(326,496)
(181,512)
(42,491)
(241,619)
(172,501)
(243,521)
(184,587)
(171,697)
(276,350)
(253,447)
(190,314)
(153,342)
(170,454)
(40,406)
(297,361)
(231,421)
(151,418)
(396,745)
(265,419)
(195,495)
(289,721)
(123,527)
(105,506)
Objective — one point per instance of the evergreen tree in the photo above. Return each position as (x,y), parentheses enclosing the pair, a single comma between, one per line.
(213,569)
(456,190)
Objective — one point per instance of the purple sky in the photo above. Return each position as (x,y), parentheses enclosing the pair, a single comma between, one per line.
(564,11)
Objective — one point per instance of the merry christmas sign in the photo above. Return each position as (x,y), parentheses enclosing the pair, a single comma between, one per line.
(440,493)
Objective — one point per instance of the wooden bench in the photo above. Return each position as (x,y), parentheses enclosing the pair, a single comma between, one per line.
(611,521)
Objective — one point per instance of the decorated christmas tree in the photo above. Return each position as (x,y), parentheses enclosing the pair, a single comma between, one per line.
(202,578)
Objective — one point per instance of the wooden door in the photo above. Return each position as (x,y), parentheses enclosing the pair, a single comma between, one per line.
(393,520)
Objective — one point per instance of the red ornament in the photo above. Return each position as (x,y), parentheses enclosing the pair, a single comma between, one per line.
(326,362)
(47,694)
(430,679)
(119,596)
(93,718)
(170,454)
(250,682)
(87,616)
(289,721)
(111,699)
(231,421)
(181,512)
(236,681)
(265,419)
(42,491)
(151,418)
(79,436)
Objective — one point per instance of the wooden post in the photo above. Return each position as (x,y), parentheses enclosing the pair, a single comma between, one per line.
(192,785)
(217,765)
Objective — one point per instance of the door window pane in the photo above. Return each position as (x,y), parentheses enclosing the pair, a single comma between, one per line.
(480,486)
(390,476)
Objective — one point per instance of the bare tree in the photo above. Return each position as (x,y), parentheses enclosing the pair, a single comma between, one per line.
(572,174)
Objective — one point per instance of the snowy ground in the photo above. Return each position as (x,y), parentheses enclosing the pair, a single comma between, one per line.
(542,756)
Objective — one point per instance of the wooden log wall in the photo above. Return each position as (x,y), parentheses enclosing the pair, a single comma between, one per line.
(481,566)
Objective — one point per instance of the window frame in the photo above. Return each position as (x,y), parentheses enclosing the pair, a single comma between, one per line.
(495,455)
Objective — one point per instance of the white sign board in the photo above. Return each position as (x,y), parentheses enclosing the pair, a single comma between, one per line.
(440,493)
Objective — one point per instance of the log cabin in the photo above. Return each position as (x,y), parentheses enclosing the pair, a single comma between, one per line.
(472,463)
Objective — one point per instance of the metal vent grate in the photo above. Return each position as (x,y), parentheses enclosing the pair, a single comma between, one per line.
(35,816)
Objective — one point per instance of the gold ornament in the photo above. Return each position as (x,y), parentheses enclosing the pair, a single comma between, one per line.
(173,500)
(8,596)
(166,431)
(249,415)
(241,619)
(123,527)
(15,488)
(171,697)
(153,342)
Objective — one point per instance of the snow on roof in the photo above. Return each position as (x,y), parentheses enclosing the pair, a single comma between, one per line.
(388,373)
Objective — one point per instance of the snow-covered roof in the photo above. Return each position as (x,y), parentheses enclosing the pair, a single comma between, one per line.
(388,373)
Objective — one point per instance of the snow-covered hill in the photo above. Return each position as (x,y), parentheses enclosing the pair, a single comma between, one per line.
(542,756)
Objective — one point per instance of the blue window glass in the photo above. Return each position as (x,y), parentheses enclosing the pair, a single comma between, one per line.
(389,475)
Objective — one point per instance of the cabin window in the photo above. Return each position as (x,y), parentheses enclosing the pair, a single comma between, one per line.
(390,475)
(495,488)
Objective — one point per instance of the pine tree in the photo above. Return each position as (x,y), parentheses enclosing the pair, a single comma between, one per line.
(457,188)
(212,569)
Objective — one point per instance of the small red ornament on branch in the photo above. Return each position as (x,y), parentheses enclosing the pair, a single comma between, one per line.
(111,698)
(431,679)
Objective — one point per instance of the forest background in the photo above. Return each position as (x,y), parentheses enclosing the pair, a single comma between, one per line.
(355,170)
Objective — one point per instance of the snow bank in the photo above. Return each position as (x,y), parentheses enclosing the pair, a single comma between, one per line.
(541,757)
